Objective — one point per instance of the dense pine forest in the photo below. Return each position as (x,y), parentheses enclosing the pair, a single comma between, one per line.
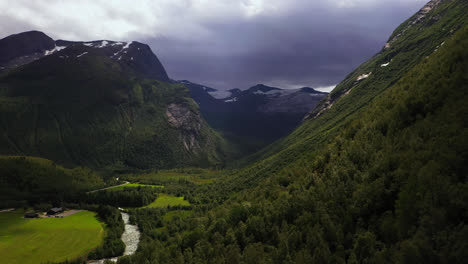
(391,187)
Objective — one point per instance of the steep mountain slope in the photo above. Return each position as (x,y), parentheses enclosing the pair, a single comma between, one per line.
(415,39)
(36,180)
(102,103)
(134,56)
(385,182)
(22,48)
(257,116)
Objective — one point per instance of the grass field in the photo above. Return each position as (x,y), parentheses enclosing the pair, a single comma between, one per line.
(179,213)
(165,200)
(175,176)
(28,241)
(133,185)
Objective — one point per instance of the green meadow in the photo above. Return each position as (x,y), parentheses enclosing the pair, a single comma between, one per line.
(134,185)
(43,240)
(165,200)
(175,176)
(178,213)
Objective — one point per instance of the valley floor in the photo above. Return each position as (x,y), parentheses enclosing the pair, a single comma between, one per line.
(28,241)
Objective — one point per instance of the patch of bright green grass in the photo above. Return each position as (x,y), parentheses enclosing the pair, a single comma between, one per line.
(179,213)
(165,200)
(134,185)
(45,240)
(176,176)
(201,181)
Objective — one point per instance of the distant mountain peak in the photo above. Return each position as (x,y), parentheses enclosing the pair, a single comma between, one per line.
(17,46)
(136,55)
(23,48)
(311,90)
(262,88)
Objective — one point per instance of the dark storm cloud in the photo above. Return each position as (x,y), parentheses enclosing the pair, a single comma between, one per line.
(310,46)
(226,43)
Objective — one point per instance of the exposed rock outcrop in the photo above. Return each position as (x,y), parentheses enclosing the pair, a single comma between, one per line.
(189,122)
(417,18)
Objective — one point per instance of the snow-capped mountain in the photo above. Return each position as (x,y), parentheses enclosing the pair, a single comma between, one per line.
(23,48)
(256,116)
(98,103)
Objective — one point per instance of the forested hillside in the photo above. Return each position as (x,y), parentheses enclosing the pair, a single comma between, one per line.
(82,105)
(376,173)
(30,181)
(413,41)
(387,187)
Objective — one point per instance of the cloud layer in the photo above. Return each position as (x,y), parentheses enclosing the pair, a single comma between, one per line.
(227,43)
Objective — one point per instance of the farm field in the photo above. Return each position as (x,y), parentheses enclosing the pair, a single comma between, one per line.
(165,200)
(28,241)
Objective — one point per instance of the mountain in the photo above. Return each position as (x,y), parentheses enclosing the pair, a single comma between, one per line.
(22,48)
(257,116)
(414,40)
(99,103)
(276,100)
(376,174)
(37,180)
(135,55)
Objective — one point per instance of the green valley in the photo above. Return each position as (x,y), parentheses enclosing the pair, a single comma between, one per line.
(375,173)
(48,239)
(92,111)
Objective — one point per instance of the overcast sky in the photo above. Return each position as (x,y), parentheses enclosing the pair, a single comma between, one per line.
(228,43)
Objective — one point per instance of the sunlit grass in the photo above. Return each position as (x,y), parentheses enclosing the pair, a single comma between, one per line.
(165,200)
(46,240)
(134,185)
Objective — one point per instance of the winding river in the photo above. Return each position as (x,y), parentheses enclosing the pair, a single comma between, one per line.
(130,237)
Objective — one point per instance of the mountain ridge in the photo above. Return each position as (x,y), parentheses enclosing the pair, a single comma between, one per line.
(369,79)
(257,116)
(379,176)
(135,55)
(102,103)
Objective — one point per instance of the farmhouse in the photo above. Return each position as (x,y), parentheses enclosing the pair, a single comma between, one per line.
(31,215)
(55,210)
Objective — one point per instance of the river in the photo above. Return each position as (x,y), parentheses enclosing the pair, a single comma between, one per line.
(130,237)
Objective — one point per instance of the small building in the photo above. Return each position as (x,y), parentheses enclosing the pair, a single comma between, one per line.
(31,215)
(55,210)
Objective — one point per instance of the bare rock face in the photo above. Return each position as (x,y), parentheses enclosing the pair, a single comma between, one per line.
(420,15)
(426,9)
(189,122)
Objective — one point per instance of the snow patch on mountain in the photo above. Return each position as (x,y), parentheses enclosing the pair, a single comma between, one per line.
(220,94)
(127,45)
(122,50)
(363,76)
(103,44)
(84,53)
(276,92)
(231,100)
(57,48)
